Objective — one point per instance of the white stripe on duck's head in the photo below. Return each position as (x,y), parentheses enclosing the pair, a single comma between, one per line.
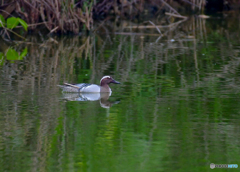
(106,80)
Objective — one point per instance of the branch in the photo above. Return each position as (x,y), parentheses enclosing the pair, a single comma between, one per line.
(175,15)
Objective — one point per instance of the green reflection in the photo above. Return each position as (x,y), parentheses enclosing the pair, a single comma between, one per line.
(12,55)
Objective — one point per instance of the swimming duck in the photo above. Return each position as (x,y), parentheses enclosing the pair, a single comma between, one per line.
(90,88)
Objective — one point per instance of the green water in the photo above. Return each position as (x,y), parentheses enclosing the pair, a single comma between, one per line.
(177,108)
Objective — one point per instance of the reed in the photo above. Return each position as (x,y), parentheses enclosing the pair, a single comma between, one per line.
(56,15)
(74,16)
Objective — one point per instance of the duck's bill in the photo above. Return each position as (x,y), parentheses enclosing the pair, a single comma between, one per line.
(115,82)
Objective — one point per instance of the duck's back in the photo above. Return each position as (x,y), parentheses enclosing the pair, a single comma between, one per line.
(83,87)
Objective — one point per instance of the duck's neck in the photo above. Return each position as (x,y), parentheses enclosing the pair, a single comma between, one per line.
(105,88)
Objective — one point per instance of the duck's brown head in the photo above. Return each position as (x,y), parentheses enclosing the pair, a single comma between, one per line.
(106,80)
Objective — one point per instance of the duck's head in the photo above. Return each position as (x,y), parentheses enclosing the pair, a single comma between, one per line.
(106,80)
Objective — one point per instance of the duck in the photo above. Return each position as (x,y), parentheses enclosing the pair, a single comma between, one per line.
(90,88)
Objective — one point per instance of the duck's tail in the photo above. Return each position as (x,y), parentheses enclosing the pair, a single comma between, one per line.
(68,88)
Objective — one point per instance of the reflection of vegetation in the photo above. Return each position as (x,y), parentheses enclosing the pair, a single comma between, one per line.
(179,107)
(12,55)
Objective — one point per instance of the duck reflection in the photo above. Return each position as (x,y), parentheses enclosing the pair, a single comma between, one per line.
(102,97)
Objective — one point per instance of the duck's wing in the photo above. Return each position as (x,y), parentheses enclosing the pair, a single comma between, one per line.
(69,87)
(82,86)
(66,88)
(73,87)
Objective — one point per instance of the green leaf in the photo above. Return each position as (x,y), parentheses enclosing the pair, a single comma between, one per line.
(2,21)
(23,54)
(23,23)
(12,54)
(12,22)
(1,58)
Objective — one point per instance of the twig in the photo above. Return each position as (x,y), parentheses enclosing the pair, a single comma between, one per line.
(156,27)
(158,39)
(15,33)
(133,33)
(175,15)
(35,24)
(170,7)
(29,43)
(5,32)
(146,27)
(94,30)
(6,12)
(54,29)
(192,4)
(71,85)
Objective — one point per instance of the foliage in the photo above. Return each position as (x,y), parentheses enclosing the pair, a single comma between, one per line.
(11,23)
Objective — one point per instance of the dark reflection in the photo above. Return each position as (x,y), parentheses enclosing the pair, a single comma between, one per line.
(102,97)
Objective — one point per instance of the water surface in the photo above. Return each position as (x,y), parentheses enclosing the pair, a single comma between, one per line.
(177,108)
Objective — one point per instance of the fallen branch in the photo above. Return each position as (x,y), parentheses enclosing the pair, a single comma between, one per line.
(175,15)
(133,33)
(159,26)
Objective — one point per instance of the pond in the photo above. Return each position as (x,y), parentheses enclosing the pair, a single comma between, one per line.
(177,107)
